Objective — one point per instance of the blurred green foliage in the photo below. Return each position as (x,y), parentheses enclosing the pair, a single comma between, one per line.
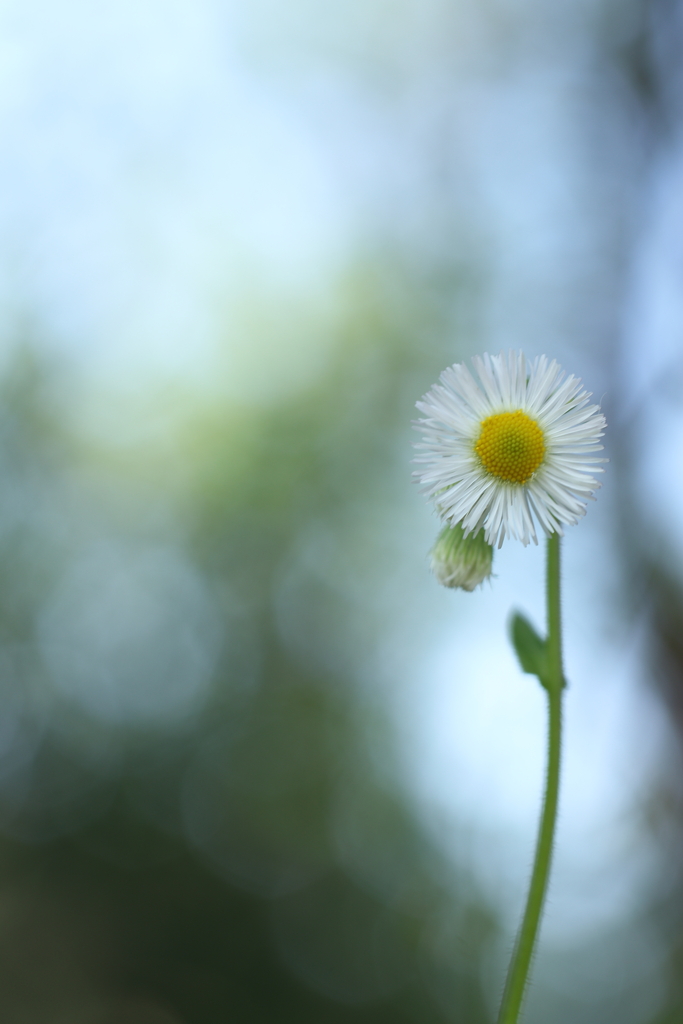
(201,811)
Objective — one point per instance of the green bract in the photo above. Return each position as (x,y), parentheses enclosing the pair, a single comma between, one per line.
(461,561)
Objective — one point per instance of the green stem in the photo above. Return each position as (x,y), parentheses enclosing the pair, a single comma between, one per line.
(553,682)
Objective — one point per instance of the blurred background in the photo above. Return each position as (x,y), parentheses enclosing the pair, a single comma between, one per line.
(255,765)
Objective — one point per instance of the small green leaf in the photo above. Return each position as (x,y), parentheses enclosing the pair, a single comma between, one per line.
(531,649)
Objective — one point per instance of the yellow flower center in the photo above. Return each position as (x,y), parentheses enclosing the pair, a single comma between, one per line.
(511,446)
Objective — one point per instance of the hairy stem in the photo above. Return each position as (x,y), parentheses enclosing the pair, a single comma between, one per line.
(553,682)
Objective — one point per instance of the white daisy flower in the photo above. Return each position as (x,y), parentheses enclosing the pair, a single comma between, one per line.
(509,448)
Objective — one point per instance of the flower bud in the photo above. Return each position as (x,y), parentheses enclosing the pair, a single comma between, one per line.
(459,560)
